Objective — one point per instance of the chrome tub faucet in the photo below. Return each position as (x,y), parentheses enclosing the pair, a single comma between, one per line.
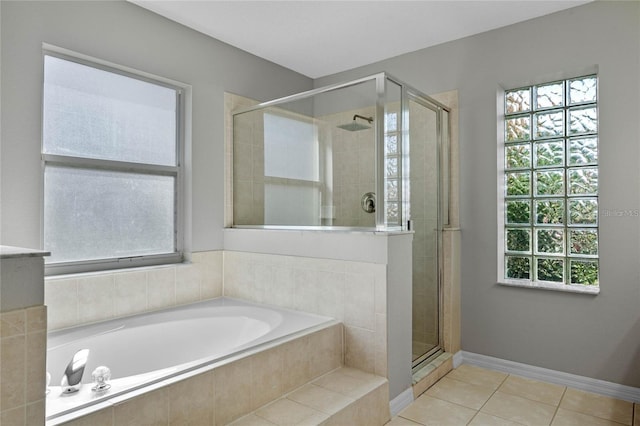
(72,379)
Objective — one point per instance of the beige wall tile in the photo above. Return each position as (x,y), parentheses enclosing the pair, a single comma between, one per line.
(346,416)
(451,291)
(210,265)
(263,282)
(13,372)
(518,409)
(267,372)
(148,409)
(104,417)
(251,420)
(61,298)
(191,401)
(347,384)
(287,412)
(380,337)
(320,399)
(380,283)
(96,295)
(331,294)
(35,413)
(36,347)
(282,291)
(13,323)
(36,319)
(306,290)
(295,356)
(359,348)
(130,293)
(161,287)
(359,310)
(373,409)
(326,353)
(87,298)
(598,406)
(187,284)
(13,417)
(232,391)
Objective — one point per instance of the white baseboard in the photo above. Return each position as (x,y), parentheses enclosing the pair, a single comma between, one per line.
(400,402)
(610,389)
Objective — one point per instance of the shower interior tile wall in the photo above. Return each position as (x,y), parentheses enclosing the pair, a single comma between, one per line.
(248,169)
(348,161)
(231,103)
(353,158)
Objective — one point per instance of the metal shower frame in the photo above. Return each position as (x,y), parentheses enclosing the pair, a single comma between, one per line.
(407,92)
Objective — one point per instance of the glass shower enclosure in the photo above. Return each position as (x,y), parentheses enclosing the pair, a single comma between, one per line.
(366,155)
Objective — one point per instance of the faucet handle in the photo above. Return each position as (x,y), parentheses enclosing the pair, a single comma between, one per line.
(100,376)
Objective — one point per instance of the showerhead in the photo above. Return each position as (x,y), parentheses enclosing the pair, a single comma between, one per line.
(354,126)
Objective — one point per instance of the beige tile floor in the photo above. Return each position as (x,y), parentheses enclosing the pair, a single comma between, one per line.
(475,396)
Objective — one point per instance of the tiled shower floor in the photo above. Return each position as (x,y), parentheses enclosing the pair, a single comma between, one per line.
(471,395)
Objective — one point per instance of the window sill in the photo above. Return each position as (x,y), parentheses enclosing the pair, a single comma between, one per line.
(568,288)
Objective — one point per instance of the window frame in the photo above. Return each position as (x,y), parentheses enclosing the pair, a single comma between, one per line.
(87,163)
(566,196)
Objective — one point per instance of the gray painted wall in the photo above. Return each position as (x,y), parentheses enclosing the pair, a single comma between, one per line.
(127,35)
(593,336)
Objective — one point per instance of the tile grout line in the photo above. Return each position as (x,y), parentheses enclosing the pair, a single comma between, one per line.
(555,413)
(491,396)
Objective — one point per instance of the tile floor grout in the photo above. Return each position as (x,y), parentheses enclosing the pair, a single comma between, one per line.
(597,417)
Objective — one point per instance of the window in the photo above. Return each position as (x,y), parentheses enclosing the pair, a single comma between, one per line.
(291,171)
(550,232)
(111,151)
(391,163)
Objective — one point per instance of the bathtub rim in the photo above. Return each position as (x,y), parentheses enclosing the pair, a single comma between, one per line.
(155,384)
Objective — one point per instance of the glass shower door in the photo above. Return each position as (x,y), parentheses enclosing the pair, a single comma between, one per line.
(424,133)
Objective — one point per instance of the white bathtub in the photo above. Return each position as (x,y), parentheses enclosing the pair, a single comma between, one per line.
(149,348)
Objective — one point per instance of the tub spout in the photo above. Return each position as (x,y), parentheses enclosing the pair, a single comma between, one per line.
(72,379)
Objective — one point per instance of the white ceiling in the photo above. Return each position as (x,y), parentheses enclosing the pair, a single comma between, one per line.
(318,38)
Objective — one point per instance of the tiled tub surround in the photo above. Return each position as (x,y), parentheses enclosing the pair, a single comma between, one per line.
(150,347)
(23,342)
(351,292)
(87,298)
(220,393)
(23,336)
